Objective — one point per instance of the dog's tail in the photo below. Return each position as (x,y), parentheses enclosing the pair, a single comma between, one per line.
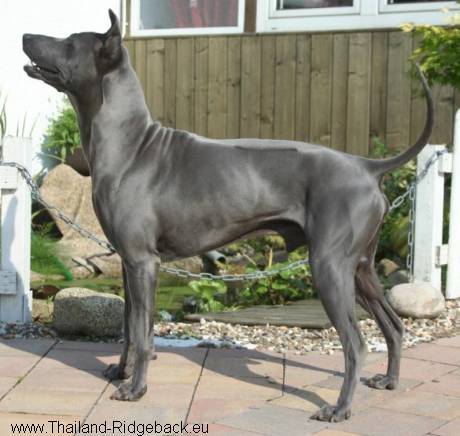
(382,166)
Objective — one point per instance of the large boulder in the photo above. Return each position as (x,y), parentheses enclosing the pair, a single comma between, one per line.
(70,192)
(82,311)
(416,300)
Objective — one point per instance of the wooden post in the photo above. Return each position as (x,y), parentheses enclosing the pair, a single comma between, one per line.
(15,294)
(453,268)
(428,220)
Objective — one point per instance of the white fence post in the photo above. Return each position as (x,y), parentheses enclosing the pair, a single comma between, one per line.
(428,220)
(453,267)
(15,235)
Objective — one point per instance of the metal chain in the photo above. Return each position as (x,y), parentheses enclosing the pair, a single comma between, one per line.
(410,192)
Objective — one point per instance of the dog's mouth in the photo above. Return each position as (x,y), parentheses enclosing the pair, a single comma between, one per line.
(38,71)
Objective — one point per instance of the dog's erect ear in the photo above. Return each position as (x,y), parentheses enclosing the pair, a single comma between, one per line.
(111,49)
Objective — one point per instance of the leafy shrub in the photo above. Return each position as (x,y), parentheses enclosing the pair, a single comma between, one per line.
(62,138)
(283,287)
(438,51)
(207,293)
(393,237)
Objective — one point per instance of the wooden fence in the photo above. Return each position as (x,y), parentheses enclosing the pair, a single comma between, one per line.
(336,89)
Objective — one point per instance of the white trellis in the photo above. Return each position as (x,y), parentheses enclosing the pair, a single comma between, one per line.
(430,254)
(15,294)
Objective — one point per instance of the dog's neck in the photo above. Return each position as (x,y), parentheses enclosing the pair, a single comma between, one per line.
(117,101)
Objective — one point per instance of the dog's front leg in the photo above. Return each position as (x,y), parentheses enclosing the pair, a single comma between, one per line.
(124,369)
(141,280)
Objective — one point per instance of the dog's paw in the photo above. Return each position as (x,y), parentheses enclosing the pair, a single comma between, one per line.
(114,372)
(126,392)
(331,414)
(381,381)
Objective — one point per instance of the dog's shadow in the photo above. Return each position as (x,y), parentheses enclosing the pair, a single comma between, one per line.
(94,357)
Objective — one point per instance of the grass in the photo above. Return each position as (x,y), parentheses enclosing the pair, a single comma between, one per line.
(45,258)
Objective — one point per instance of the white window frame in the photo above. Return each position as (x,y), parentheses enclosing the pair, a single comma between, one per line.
(414,7)
(135,30)
(364,15)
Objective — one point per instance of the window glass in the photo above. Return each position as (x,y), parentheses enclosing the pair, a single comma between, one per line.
(310,4)
(171,14)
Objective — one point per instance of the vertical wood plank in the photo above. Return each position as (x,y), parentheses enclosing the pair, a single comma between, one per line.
(141,62)
(155,78)
(418,104)
(217,98)
(201,85)
(379,77)
(233,87)
(443,130)
(129,44)
(399,98)
(359,85)
(321,89)
(285,87)
(250,87)
(185,84)
(267,98)
(170,82)
(302,81)
(15,235)
(339,91)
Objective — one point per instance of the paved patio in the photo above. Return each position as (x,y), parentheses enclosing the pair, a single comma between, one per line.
(235,392)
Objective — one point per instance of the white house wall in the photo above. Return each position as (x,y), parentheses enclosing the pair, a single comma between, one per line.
(27,97)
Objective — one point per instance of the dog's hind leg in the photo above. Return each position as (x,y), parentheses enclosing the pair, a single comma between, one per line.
(371,297)
(124,368)
(141,278)
(333,277)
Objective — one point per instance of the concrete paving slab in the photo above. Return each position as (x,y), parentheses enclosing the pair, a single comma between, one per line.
(452,428)
(17,366)
(25,347)
(425,403)
(6,383)
(449,342)
(380,422)
(53,425)
(413,369)
(274,420)
(448,384)
(434,353)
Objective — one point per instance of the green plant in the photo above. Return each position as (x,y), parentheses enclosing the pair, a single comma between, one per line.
(285,286)
(438,51)
(393,237)
(62,138)
(45,256)
(208,292)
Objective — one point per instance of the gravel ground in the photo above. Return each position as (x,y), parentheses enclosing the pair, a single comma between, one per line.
(301,341)
(272,338)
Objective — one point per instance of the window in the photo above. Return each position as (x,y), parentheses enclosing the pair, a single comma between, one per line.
(326,15)
(186,17)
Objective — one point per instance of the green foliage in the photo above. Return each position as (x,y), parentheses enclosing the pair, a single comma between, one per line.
(393,239)
(285,286)
(62,138)
(438,51)
(45,257)
(207,292)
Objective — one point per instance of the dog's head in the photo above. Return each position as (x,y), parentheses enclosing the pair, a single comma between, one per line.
(76,63)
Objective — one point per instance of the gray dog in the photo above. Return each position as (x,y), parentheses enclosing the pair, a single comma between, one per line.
(152,196)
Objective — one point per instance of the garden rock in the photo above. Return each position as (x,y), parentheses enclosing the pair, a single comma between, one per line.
(398,277)
(79,311)
(416,300)
(388,267)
